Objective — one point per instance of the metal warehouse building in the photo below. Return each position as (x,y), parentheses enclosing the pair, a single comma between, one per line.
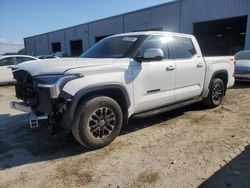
(222,27)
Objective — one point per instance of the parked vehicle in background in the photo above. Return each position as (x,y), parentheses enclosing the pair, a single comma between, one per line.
(242,69)
(60,54)
(127,75)
(47,57)
(7,61)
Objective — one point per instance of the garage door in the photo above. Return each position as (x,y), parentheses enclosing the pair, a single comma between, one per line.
(221,37)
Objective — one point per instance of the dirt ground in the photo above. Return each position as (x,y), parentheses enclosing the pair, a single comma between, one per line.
(190,147)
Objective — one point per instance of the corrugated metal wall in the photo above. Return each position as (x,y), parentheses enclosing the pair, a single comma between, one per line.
(105,27)
(42,45)
(247,42)
(165,17)
(205,10)
(30,45)
(193,11)
(175,16)
(76,33)
(57,36)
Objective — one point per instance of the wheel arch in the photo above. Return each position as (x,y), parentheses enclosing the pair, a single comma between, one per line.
(221,74)
(114,91)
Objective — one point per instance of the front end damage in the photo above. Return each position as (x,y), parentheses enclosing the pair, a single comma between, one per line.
(44,101)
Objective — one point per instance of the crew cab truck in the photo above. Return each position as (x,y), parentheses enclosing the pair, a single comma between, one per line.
(126,75)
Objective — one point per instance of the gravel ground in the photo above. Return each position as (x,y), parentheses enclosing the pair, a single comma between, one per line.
(189,147)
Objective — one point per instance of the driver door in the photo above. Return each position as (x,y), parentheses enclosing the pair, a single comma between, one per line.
(154,80)
(5,70)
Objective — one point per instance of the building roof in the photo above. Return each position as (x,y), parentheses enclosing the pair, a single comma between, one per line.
(123,14)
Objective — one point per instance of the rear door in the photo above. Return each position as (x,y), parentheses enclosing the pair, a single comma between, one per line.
(190,69)
(5,70)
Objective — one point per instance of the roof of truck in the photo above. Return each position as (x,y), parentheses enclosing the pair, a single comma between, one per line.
(6,56)
(153,33)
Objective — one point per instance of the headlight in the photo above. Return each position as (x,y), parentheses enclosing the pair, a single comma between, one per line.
(55,79)
(54,82)
(47,79)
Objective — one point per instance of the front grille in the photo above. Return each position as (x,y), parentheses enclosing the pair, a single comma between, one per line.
(26,89)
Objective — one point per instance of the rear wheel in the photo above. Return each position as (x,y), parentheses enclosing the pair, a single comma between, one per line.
(216,94)
(97,122)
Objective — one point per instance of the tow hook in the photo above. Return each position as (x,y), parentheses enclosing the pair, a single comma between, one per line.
(34,119)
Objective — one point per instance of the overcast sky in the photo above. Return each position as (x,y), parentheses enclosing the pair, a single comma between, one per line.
(23,18)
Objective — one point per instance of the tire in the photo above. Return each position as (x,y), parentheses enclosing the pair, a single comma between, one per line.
(97,122)
(216,94)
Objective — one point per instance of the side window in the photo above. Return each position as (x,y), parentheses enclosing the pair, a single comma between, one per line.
(28,59)
(183,48)
(23,59)
(155,41)
(19,60)
(6,61)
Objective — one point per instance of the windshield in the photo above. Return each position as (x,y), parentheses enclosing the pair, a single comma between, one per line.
(243,55)
(112,47)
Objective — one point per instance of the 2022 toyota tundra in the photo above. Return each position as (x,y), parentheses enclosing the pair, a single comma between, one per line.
(122,76)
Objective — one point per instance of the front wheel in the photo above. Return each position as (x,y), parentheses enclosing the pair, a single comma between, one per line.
(216,94)
(97,122)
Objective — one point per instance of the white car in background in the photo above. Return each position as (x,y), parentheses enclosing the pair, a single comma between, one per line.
(7,61)
(242,69)
(47,57)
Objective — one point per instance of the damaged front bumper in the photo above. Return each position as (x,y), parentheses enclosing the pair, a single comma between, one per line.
(33,117)
(21,106)
(43,101)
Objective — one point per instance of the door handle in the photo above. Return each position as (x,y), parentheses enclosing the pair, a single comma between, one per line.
(199,65)
(170,68)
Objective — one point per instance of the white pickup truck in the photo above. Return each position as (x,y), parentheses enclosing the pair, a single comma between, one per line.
(123,76)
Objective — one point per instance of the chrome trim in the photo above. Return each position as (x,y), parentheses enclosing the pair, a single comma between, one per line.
(53,88)
(20,106)
(56,88)
(247,76)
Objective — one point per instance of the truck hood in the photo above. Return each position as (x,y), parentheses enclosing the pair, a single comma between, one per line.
(62,65)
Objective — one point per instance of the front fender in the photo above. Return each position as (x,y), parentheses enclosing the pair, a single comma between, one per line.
(68,116)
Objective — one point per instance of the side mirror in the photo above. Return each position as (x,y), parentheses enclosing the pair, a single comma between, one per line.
(152,54)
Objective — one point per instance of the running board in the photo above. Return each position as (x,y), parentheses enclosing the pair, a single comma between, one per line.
(166,108)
